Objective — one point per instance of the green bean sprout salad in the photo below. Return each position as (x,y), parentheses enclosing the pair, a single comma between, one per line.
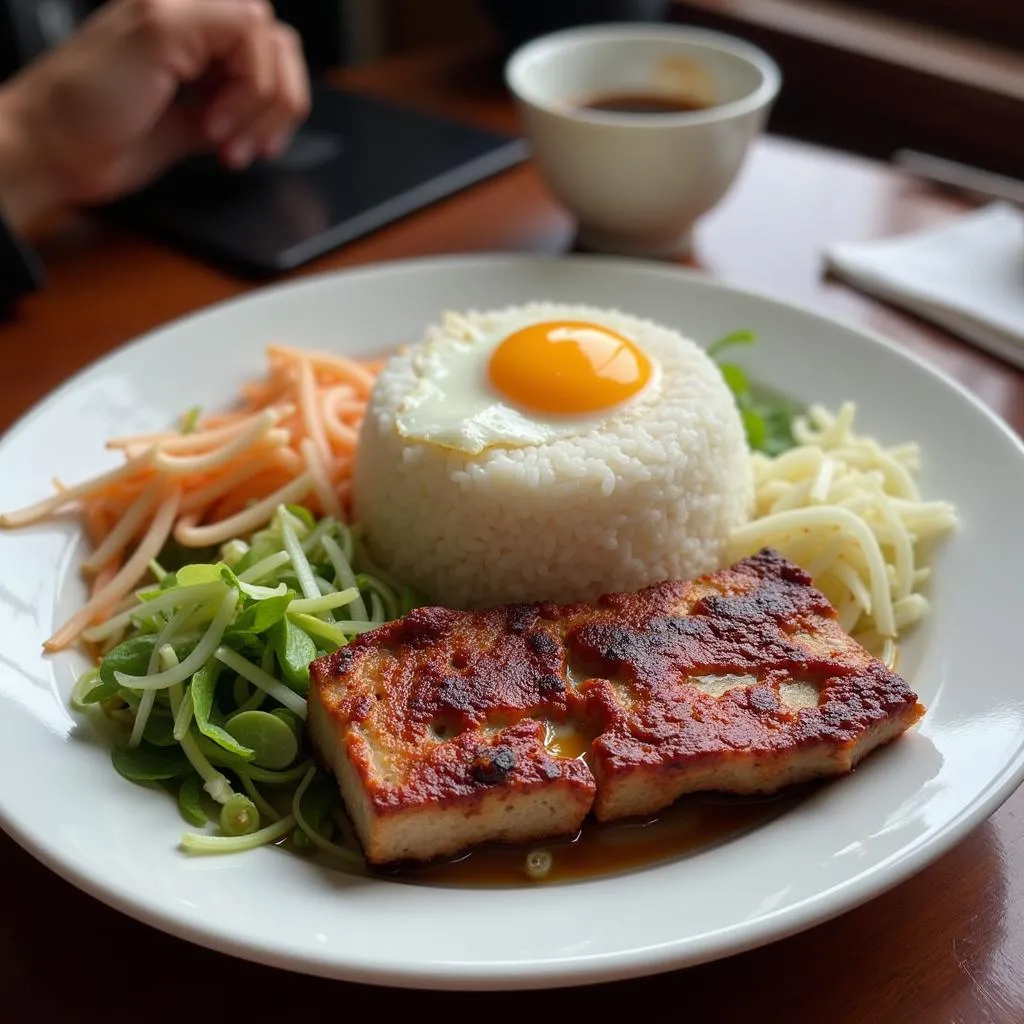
(207,671)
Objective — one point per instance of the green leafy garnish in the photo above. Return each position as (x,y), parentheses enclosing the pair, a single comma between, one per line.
(160,729)
(295,650)
(216,659)
(203,684)
(195,574)
(303,515)
(191,419)
(146,763)
(753,424)
(190,801)
(272,740)
(736,378)
(729,340)
(778,422)
(259,616)
(767,420)
(132,658)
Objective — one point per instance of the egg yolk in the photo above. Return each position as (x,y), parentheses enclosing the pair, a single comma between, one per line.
(568,367)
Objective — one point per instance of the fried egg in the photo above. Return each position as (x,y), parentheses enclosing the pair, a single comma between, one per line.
(527,385)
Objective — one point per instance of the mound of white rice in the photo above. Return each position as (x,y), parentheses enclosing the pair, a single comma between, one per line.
(651,493)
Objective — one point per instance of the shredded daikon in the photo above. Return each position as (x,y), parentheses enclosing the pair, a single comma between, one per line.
(850,512)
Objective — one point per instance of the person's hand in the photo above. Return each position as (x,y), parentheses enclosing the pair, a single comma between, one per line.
(142,84)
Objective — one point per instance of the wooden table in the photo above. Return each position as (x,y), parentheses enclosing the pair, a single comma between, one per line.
(947,946)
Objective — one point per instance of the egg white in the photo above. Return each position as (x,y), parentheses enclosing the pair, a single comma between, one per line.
(454,405)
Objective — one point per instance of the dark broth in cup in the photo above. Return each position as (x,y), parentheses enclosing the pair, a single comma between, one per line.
(643,103)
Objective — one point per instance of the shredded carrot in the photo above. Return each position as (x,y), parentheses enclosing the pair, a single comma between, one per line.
(335,409)
(103,578)
(336,368)
(268,480)
(124,531)
(291,438)
(235,479)
(309,407)
(124,579)
(172,441)
(192,536)
(94,516)
(68,495)
(227,419)
(321,478)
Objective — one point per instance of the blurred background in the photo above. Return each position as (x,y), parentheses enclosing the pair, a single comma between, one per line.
(868,76)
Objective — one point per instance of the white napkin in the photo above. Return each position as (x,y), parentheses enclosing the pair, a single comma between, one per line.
(966,276)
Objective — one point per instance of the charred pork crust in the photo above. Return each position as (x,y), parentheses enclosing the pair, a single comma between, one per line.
(684,685)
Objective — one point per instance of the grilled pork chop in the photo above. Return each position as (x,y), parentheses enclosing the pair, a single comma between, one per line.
(446,729)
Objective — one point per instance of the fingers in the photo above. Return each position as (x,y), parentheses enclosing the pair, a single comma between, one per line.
(249,86)
(293,82)
(261,86)
(189,37)
(246,121)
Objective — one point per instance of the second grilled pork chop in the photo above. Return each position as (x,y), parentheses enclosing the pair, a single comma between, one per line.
(446,729)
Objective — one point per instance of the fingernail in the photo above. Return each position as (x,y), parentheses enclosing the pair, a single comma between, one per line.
(240,153)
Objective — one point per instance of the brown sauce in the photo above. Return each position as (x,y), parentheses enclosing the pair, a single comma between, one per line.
(691,825)
(643,103)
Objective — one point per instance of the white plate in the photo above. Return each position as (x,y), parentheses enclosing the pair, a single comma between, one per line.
(908,803)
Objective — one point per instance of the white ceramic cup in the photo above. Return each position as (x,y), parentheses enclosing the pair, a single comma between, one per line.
(638,182)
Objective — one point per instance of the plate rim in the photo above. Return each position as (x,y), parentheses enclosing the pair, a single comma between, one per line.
(572,970)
